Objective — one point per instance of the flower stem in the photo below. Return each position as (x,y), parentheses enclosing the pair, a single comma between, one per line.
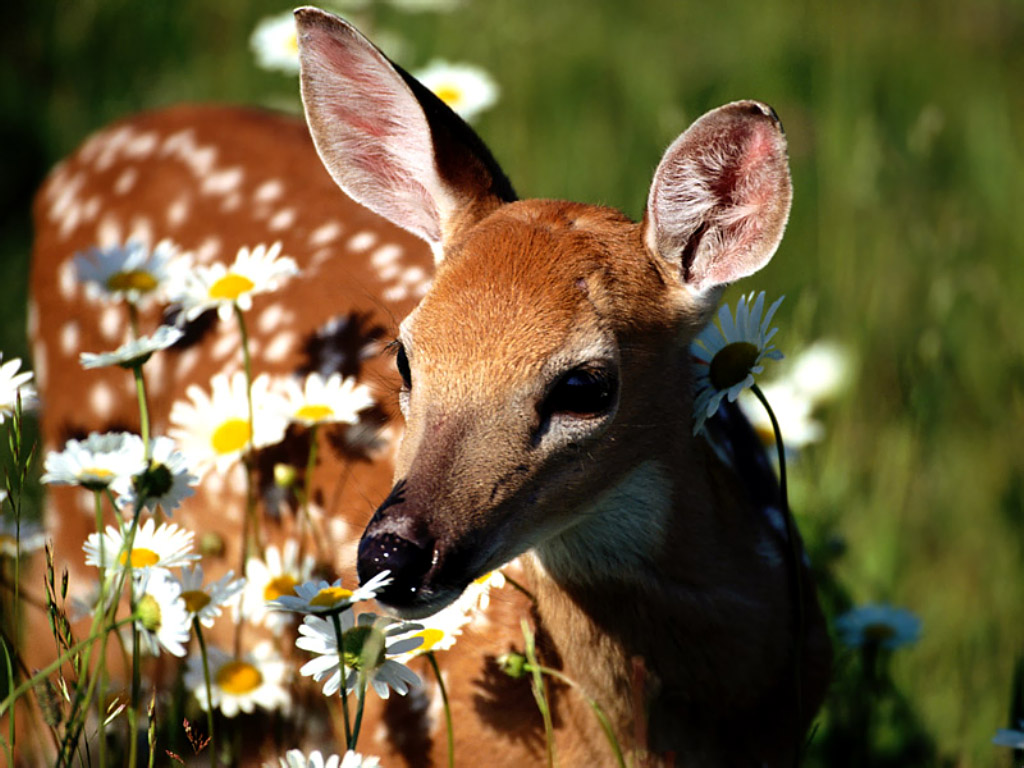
(447,708)
(307,489)
(360,706)
(539,694)
(140,394)
(250,523)
(209,690)
(133,744)
(336,620)
(796,561)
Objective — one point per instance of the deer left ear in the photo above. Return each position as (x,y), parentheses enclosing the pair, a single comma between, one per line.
(720,197)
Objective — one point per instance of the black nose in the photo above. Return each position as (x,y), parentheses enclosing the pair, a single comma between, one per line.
(407,561)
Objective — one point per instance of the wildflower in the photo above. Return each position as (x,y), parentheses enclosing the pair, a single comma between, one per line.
(322,597)
(820,371)
(164,484)
(161,616)
(260,270)
(28,537)
(14,385)
(96,462)
(154,547)
(296,758)
(728,355)
(241,684)
(468,90)
(270,579)
(204,603)
(878,625)
(322,401)
(368,645)
(131,272)
(1006,737)
(275,43)
(213,430)
(135,352)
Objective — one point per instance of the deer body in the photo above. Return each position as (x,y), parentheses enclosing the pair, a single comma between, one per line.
(545,392)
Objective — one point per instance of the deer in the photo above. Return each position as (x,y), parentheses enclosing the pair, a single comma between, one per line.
(535,400)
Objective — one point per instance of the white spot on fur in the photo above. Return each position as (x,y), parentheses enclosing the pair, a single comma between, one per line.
(361,241)
(208,250)
(177,211)
(108,231)
(142,230)
(231,203)
(270,318)
(395,293)
(70,338)
(141,146)
(67,280)
(279,347)
(110,322)
(222,182)
(389,271)
(228,342)
(155,377)
(318,258)
(101,400)
(325,233)
(339,530)
(126,181)
(282,219)
(39,364)
(385,255)
(186,362)
(268,191)
(182,145)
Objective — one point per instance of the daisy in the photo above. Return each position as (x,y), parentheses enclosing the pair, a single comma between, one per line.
(727,355)
(296,758)
(269,579)
(14,385)
(28,537)
(318,596)
(275,43)
(878,625)
(162,618)
(97,462)
(204,603)
(1006,737)
(323,401)
(821,371)
(257,271)
(241,684)
(135,352)
(165,484)
(468,90)
(130,272)
(213,429)
(792,410)
(154,547)
(369,644)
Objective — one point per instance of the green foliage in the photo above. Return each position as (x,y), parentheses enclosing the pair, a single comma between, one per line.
(905,126)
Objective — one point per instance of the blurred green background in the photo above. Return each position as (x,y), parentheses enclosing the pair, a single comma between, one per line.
(906,243)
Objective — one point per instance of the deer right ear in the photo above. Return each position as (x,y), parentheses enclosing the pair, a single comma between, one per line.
(387,141)
(720,197)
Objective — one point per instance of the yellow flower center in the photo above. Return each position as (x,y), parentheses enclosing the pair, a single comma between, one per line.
(314,412)
(732,363)
(97,473)
(132,280)
(329,596)
(231,286)
(431,637)
(195,600)
(483,579)
(238,677)
(877,633)
(140,557)
(449,94)
(292,44)
(230,435)
(279,585)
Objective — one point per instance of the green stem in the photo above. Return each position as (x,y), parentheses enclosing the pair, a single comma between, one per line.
(307,488)
(250,523)
(102,663)
(209,691)
(796,564)
(360,706)
(336,619)
(140,394)
(538,692)
(133,743)
(447,708)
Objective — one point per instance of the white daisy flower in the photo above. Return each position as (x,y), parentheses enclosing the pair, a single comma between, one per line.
(260,270)
(154,547)
(213,429)
(296,758)
(821,371)
(130,272)
(28,537)
(13,385)
(467,89)
(879,625)
(205,602)
(726,356)
(135,352)
(1007,737)
(96,462)
(275,42)
(369,645)
(258,679)
(166,483)
(319,596)
(793,411)
(323,401)
(271,578)
(162,618)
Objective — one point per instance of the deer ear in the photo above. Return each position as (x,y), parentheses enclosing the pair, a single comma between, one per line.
(720,197)
(387,141)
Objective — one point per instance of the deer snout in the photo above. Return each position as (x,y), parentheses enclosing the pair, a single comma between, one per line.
(408,561)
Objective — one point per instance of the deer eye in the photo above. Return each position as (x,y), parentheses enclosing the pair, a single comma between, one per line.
(583,392)
(402,363)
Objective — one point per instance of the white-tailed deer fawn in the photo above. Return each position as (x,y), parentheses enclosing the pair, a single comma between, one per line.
(545,389)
